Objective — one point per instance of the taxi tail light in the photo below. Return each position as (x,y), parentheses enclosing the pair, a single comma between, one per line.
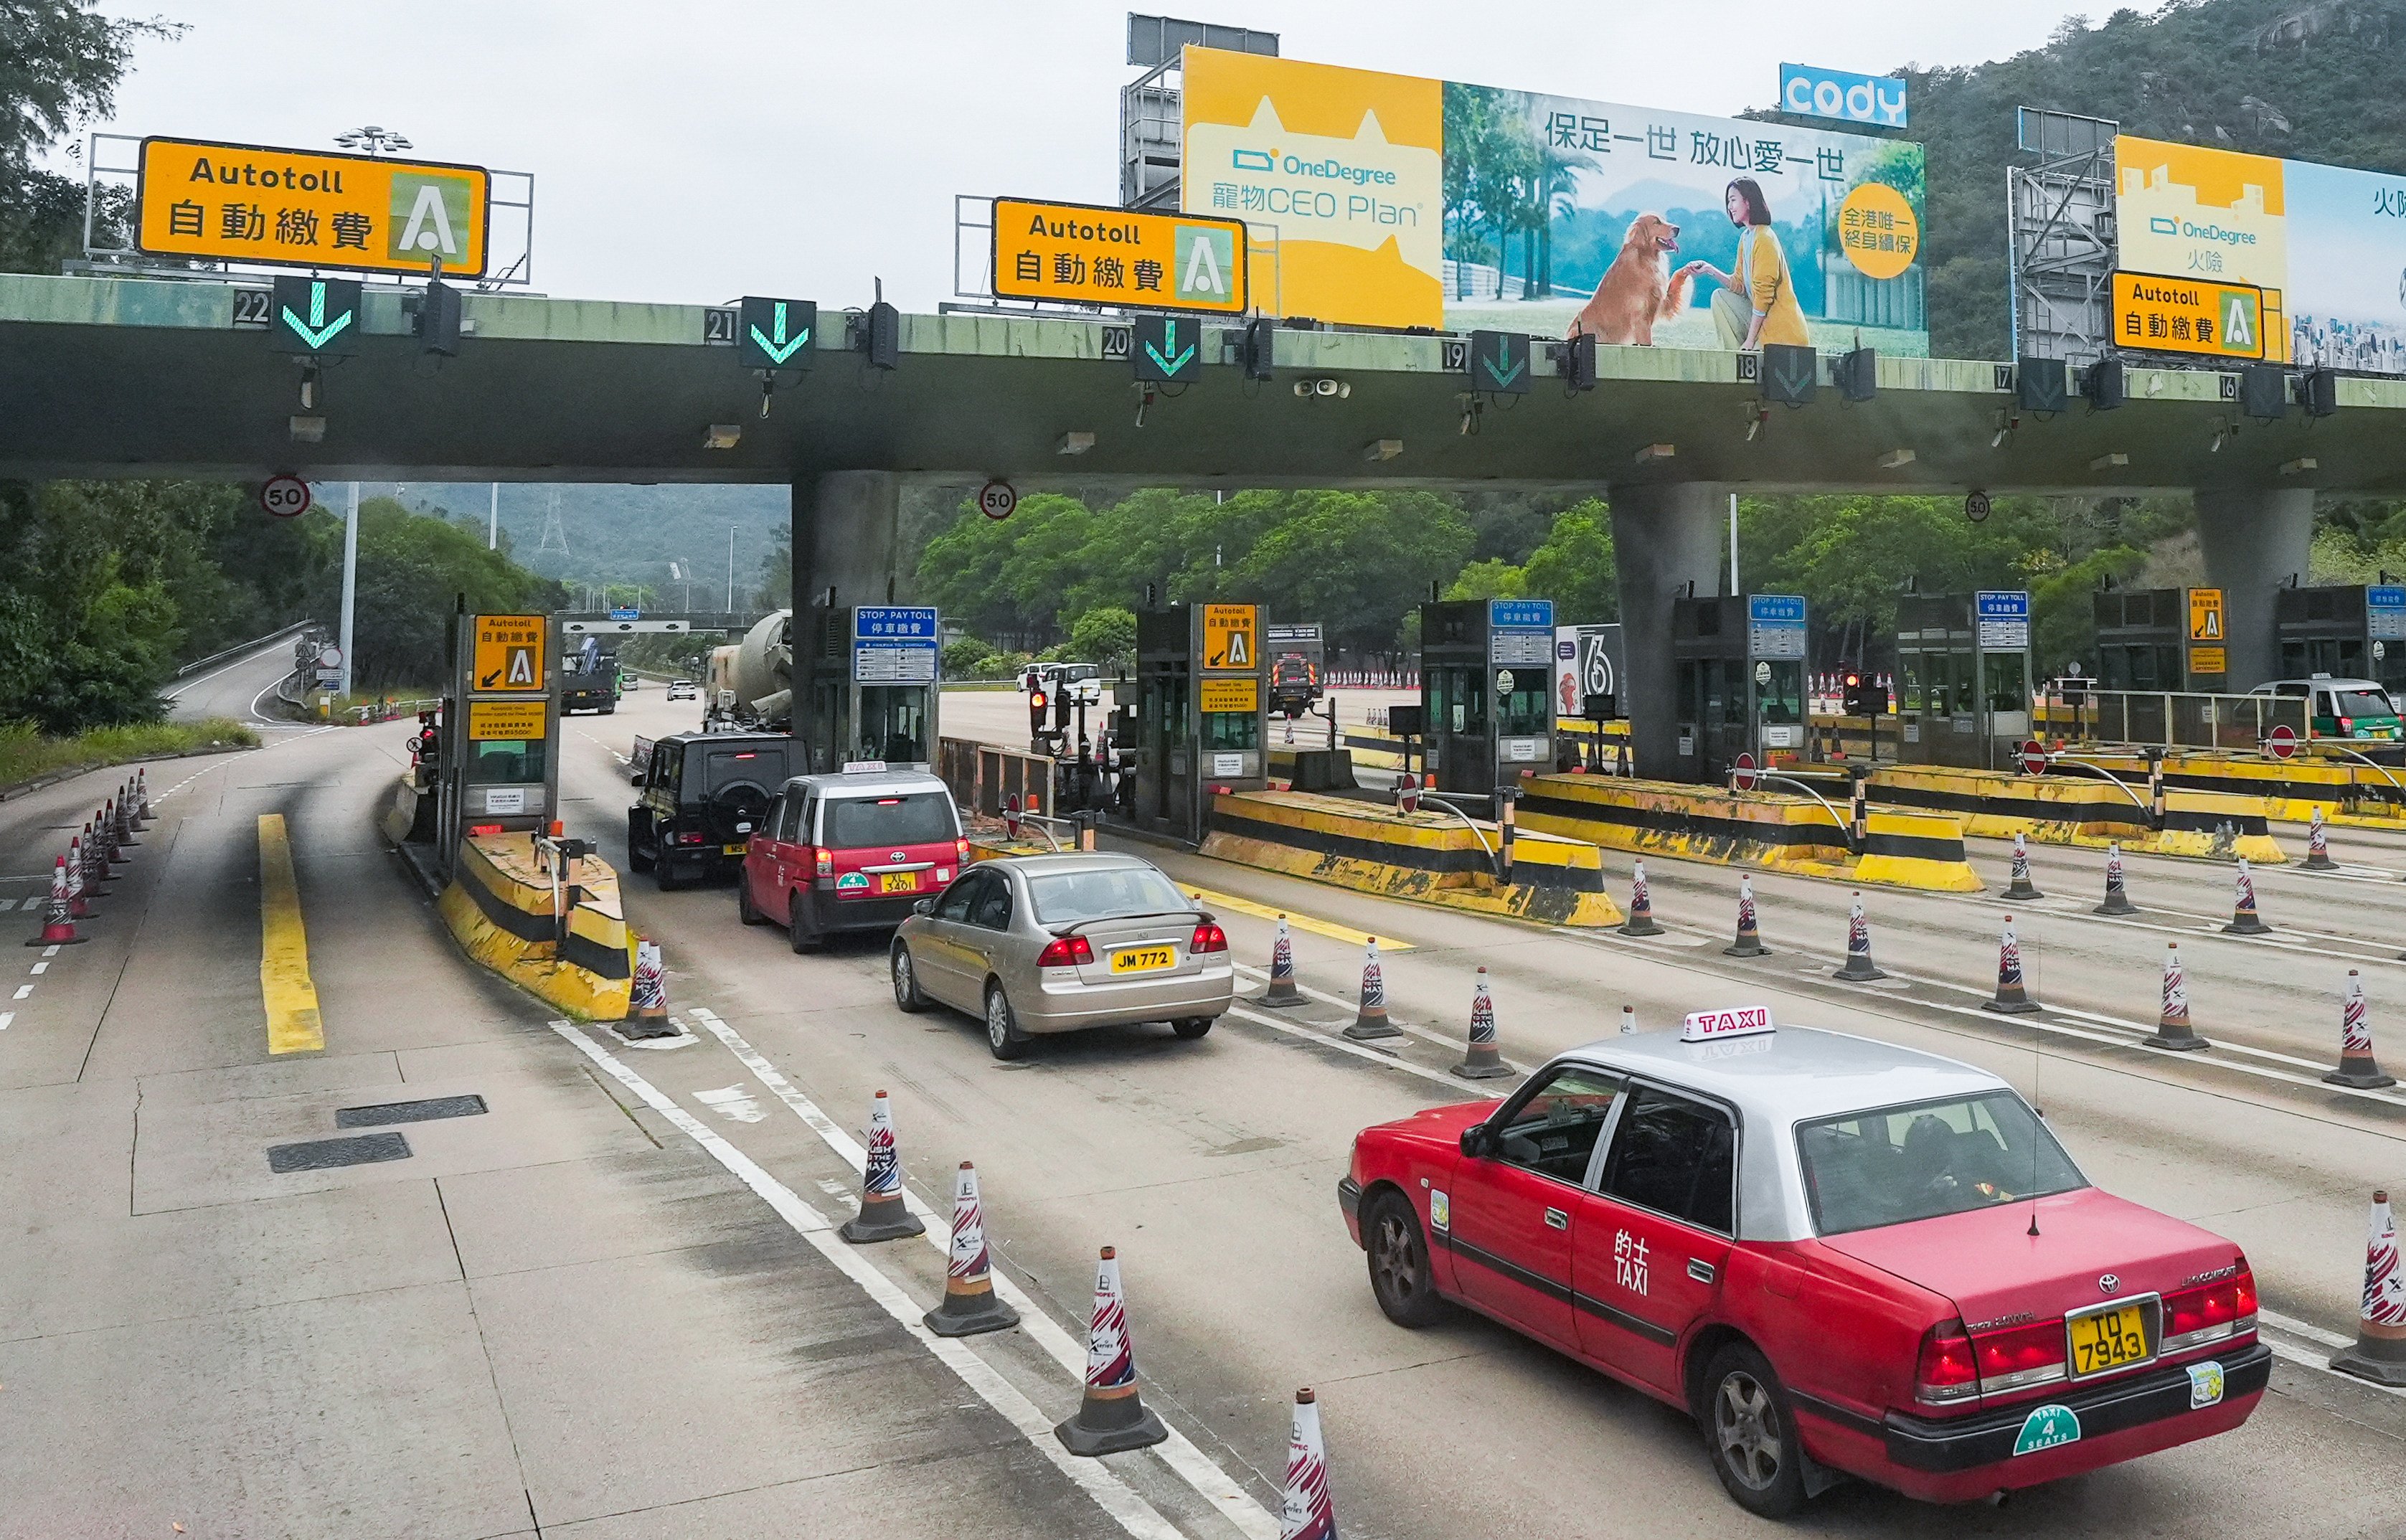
(2347,724)
(1947,1371)
(2222,1308)
(1208,937)
(823,862)
(2020,1355)
(961,852)
(1066,951)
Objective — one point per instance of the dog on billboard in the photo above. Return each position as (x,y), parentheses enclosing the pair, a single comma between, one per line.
(1639,289)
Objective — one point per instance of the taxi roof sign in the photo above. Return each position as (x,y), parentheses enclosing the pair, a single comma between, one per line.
(863,766)
(1745,1020)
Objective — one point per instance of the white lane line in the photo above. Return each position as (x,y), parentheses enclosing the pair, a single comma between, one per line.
(50,951)
(1134,1515)
(2311,1331)
(10,903)
(733,1102)
(5,1017)
(23,990)
(1197,1469)
(40,968)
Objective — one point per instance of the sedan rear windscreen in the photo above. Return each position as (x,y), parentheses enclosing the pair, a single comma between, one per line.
(2361,703)
(1931,1158)
(914,818)
(1068,898)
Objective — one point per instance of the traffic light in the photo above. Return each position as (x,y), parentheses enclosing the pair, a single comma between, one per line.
(1790,374)
(318,317)
(1036,704)
(881,335)
(1865,696)
(1498,362)
(1579,363)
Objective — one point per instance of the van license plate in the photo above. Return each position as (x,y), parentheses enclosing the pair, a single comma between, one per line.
(1144,959)
(732,850)
(897,882)
(2108,1339)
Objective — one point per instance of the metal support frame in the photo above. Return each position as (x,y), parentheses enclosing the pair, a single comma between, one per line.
(1152,102)
(2059,265)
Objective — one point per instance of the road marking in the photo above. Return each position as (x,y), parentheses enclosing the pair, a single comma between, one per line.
(294,1024)
(733,1102)
(1178,1452)
(10,903)
(23,990)
(1134,1515)
(50,951)
(1300,922)
(40,968)
(5,1017)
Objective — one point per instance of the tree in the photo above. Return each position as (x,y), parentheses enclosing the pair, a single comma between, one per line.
(1356,561)
(1106,637)
(1574,567)
(60,65)
(1494,578)
(413,569)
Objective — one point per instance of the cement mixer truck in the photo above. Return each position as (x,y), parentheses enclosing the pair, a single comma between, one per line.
(877,681)
(750,685)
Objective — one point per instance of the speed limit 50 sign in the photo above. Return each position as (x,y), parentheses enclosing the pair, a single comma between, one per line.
(285,497)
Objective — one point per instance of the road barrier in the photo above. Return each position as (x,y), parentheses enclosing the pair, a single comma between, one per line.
(2349,792)
(2066,807)
(2318,845)
(58,918)
(2378,1352)
(1859,967)
(1370,1020)
(2356,1066)
(1309,1514)
(2020,888)
(1111,1414)
(566,941)
(970,1305)
(2013,995)
(1481,1060)
(78,906)
(983,777)
(2172,1028)
(1281,991)
(647,997)
(883,1215)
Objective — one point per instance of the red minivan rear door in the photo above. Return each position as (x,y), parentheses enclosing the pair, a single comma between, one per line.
(897,843)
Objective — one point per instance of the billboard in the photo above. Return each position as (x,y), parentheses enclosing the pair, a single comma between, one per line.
(1810,92)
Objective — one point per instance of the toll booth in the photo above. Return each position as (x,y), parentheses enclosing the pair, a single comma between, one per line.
(1963,678)
(1487,691)
(498,771)
(873,685)
(1738,667)
(2357,632)
(2162,639)
(1201,712)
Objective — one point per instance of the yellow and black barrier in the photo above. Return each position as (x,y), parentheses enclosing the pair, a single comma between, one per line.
(1772,830)
(2358,794)
(501,906)
(2068,807)
(1434,856)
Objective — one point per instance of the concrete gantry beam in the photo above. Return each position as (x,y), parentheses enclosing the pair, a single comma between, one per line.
(2254,542)
(1664,537)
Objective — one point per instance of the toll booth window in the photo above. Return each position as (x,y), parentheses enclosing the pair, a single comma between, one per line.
(505,762)
(894,724)
(1958,670)
(1912,673)
(1781,702)
(1166,697)
(2002,674)
(1458,700)
(1229,730)
(1528,711)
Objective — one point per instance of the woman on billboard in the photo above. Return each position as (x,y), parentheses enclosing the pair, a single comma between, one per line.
(1757,303)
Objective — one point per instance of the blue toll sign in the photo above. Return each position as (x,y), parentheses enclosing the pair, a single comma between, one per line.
(315,316)
(1774,626)
(2003,619)
(773,334)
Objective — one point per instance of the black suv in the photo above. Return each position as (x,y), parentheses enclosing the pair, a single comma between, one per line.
(701,796)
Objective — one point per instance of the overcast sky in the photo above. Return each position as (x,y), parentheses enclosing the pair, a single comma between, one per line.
(697,150)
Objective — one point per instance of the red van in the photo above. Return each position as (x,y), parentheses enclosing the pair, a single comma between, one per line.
(850,851)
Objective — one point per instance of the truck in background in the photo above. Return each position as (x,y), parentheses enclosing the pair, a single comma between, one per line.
(1296,659)
(588,680)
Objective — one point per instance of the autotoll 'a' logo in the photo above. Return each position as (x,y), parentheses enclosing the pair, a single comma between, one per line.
(429,218)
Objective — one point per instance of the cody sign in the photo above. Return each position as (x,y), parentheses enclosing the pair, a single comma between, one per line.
(300,208)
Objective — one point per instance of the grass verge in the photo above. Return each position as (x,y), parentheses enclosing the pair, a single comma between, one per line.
(27,753)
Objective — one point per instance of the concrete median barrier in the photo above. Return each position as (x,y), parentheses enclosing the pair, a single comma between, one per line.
(2074,808)
(2349,794)
(500,907)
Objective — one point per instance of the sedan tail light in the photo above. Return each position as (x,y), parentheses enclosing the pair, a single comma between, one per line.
(1208,937)
(1947,1372)
(2219,1310)
(1066,951)
(2020,1356)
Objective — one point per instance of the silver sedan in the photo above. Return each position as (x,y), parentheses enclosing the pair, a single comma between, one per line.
(1037,944)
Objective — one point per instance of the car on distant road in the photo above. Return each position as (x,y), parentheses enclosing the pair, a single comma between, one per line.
(700,799)
(1840,1257)
(850,851)
(1072,682)
(1040,944)
(684,689)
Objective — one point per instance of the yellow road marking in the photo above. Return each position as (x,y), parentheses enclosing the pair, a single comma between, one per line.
(293,1023)
(1300,922)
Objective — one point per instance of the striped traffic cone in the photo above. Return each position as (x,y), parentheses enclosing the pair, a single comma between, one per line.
(76,908)
(2319,844)
(2021,888)
(1859,969)
(2380,1350)
(1281,990)
(970,1305)
(124,832)
(1641,905)
(95,865)
(57,920)
(142,813)
(2117,896)
(1482,1061)
(1308,1514)
(2173,1029)
(883,1215)
(111,827)
(1111,1416)
(2245,921)
(1629,1021)
(2012,997)
(2356,1067)
(1749,938)
(648,995)
(1370,1021)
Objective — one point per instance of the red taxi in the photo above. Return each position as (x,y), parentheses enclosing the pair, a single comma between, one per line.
(849,851)
(1839,1256)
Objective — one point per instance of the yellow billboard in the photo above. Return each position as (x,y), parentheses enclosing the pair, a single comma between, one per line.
(2211,217)
(2223,320)
(1079,254)
(1347,165)
(304,208)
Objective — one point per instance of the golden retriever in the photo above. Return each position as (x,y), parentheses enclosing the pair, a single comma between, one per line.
(1637,290)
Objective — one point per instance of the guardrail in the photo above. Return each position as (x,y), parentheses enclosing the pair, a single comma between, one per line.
(2176,719)
(980,775)
(243,647)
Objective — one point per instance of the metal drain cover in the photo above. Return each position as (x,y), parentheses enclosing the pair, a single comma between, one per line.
(409,1111)
(324,1154)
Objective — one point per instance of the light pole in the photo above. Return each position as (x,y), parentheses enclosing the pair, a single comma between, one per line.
(373,140)
(730,568)
(494,521)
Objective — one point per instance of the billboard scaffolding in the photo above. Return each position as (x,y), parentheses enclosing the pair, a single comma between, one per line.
(2060,235)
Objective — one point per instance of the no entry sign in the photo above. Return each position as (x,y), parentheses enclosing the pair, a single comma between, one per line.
(1742,774)
(2034,758)
(2281,741)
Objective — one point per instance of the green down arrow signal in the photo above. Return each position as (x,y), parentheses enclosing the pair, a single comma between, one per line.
(1793,382)
(319,332)
(1176,360)
(780,350)
(1503,356)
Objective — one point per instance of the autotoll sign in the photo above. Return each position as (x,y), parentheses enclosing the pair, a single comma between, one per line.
(509,654)
(302,208)
(1232,637)
(2222,320)
(1075,254)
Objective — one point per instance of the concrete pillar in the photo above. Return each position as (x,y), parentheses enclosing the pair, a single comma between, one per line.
(847,536)
(2255,540)
(1664,538)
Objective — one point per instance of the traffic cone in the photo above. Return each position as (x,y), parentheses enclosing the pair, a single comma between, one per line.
(2173,1029)
(1370,1021)
(124,830)
(142,813)
(57,920)
(1308,1514)
(2117,896)
(1281,990)
(970,1303)
(2380,1350)
(1629,1021)
(2020,888)
(76,908)
(1641,905)
(1482,1062)
(1111,1416)
(1749,939)
(2319,844)
(2355,1062)
(1290,730)
(111,826)
(1859,969)
(883,1215)
(2245,921)
(647,998)
(95,865)
(2012,996)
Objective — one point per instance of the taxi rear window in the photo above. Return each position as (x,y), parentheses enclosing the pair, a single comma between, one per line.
(2361,703)
(1926,1159)
(909,818)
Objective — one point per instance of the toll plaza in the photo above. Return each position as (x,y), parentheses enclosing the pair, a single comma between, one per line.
(1739,676)
(2349,631)
(1963,677)
(1201,712)
(501,721)
(1487,680)
(873,685)
(2162,639)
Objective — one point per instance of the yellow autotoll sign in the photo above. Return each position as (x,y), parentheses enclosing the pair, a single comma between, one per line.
(302,209)
(505,721)
(1077,254)
(509,652)
(2223,320)
(1232,637)
(2205,616)
(1231,695)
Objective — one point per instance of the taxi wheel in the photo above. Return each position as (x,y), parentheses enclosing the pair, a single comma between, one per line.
(799,934)
(1002,1034)
(1192,1026)
(746,909)
(1399,1264)
(1752,1434)
(907,997)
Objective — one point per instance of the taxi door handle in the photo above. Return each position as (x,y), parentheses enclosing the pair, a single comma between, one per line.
(1557,1219)
(1700,1271)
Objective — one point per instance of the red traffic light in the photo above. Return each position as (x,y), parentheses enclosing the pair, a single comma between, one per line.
(1036,699)
(1854,680)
